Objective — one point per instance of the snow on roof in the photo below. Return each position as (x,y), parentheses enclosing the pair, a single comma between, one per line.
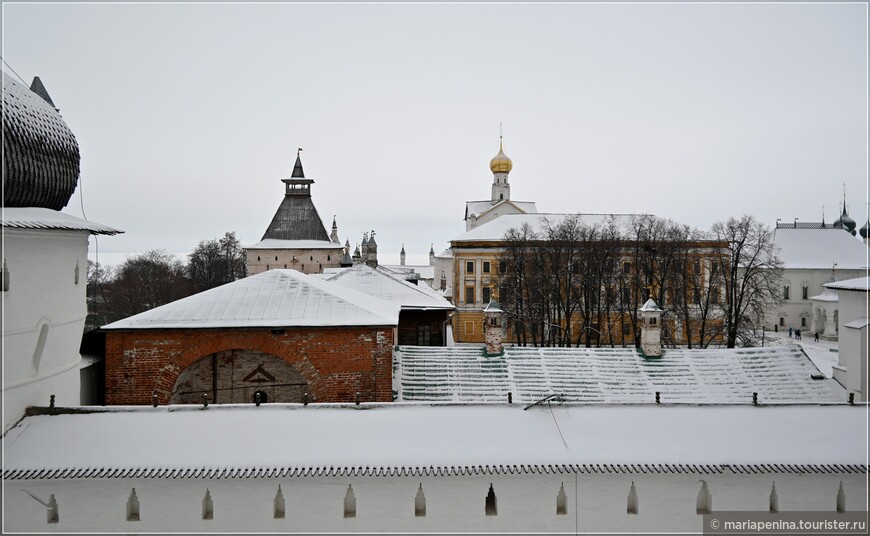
(859,283)
(780,374)
(650,305)
(408,437)
(425,271)
(827,295)
(46,218)
(478,208)
(819,249)
(496,229)
(274,243)
(274,298)
(378,283)
(858,324)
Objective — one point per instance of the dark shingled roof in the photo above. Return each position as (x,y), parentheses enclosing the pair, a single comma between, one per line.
(296,218)
(40,153)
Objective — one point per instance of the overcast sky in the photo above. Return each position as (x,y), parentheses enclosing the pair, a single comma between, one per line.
(188,116)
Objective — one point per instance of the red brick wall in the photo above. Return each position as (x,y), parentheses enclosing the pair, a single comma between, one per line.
(336,362)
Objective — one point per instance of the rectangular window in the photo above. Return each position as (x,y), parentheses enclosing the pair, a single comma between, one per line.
(469,267)
(697,267)
(781,322)
(805,291)
(424,333)
(714,295)
(626,296)
(803,321)
(626,267)
(469,294)
(486,296)
(502,266)
(785,292)
(696,296)
(626,329)
(714,266)
(486,267)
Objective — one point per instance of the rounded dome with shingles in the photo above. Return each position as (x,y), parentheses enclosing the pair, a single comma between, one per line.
(40,153)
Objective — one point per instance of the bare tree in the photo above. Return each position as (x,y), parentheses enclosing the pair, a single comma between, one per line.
(752,275)
(216,262)
(143,282)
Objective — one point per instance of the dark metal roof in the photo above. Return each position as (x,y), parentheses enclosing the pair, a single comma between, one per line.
(37,87)
(298,173)
(296,219)
(40,153)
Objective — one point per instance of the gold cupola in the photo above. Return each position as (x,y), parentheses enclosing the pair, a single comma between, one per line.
(500,163)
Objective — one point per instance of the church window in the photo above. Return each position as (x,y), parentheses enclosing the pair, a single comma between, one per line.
(311,258)
(805,291)
(469,267)
(626,267)
(469,294)
(696,296)
(276,257)
(803,321)
(626,296)
(303,267)
(714,266)
(714,295)
(486,267)
(782,322)
(501,196)
(258,258)
(491,507)
(329,258)
(785,292)
(502,266)
(486,294)
(652,321)
(562,502)
(697,267)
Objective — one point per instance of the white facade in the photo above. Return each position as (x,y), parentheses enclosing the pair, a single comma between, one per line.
(811,257)
(563,469)
(851,370)
(594,502)
(44,315)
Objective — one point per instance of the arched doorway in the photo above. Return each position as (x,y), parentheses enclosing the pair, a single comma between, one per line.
(234,376)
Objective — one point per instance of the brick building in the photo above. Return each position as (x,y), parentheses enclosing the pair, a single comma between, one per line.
(279,333)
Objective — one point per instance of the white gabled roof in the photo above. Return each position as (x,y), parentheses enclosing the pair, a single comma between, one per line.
(496,229)
(45,218)
(779,374)
(859,283)
(380,284)
(819,249)
(479,208)
(275,298)
(274,243)
(160,442)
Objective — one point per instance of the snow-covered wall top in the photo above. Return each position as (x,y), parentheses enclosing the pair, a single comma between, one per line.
(255,441)
(819,249)
(274,243)
(275,298)
(779,374)
(45,218)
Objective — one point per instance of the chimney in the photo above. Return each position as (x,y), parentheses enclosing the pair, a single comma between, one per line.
(492,329)
(651,329)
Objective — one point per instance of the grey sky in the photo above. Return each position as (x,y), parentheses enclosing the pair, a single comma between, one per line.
(188,116)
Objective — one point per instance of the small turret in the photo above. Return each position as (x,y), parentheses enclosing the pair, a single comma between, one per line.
(651,329)
(346,259)
(372,257)
(432,255)
(402,256)
(334,235)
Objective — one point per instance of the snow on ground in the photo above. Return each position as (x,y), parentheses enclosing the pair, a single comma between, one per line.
(823,354)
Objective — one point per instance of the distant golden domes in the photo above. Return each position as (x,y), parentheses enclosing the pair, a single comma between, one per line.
(500,162)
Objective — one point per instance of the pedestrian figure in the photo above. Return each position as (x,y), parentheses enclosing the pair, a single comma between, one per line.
(790,332)
(816,338)
(776,328)
(797,334)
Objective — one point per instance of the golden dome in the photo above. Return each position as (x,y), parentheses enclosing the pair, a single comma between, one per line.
(500,163)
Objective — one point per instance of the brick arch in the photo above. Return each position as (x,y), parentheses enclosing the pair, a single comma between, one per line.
(257,341)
